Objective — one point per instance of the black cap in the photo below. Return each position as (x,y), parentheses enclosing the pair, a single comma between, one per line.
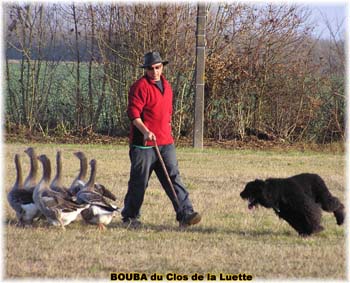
(152,58)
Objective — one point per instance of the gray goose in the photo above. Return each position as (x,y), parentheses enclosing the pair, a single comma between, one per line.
(100,211)
(58,210)
(56,184)
(31,180)
(79,182)
(22,200)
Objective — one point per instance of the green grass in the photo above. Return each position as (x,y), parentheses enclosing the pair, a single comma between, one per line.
(229,239)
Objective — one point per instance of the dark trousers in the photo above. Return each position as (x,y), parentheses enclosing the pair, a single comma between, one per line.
(143,163)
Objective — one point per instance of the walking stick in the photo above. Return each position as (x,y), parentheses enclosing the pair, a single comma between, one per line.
(166,173)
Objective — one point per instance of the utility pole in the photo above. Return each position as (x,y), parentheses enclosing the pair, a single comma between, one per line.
(200,72)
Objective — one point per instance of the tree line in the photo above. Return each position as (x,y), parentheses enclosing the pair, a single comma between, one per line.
(69,68)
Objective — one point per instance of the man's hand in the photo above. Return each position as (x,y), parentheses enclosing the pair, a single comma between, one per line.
(148,136)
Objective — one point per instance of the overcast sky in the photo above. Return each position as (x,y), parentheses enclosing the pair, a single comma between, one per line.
(335,13)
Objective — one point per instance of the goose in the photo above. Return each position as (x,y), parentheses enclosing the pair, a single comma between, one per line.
(56,184)
(100,211)
(22,200)
(58,210)
(79,182)
(31,180)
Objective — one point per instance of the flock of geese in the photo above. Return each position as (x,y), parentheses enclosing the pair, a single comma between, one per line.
(60,205)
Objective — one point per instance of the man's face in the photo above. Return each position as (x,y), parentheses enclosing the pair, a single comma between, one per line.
(154,71)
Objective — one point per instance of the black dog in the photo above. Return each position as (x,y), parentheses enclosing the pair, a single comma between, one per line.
(297,199)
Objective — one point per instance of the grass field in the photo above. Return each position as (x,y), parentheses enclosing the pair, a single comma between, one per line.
(230,239)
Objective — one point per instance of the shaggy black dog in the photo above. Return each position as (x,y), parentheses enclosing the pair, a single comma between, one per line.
(297,199)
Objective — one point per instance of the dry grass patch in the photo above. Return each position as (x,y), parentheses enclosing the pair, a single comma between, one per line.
(230,239)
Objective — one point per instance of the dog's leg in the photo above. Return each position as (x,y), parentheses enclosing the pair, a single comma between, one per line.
(328,202)
(339,215)
(323,196)
(305,215)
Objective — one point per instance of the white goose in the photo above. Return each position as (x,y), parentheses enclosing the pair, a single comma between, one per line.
(100,212)
(59,210)
(22,200)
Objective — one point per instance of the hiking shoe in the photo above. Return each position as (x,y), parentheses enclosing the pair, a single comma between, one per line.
(190,219)
(132,223)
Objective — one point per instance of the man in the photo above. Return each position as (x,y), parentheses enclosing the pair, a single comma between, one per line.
(150,110)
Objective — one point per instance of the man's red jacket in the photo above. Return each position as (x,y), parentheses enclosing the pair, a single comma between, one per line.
(154,108)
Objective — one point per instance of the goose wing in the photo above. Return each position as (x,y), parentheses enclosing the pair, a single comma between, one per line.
(102,190)
(62,191)
(21,196)
(94,198)
(54,201)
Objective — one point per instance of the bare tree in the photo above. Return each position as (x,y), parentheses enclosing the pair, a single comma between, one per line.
(31,37)
(265,75)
